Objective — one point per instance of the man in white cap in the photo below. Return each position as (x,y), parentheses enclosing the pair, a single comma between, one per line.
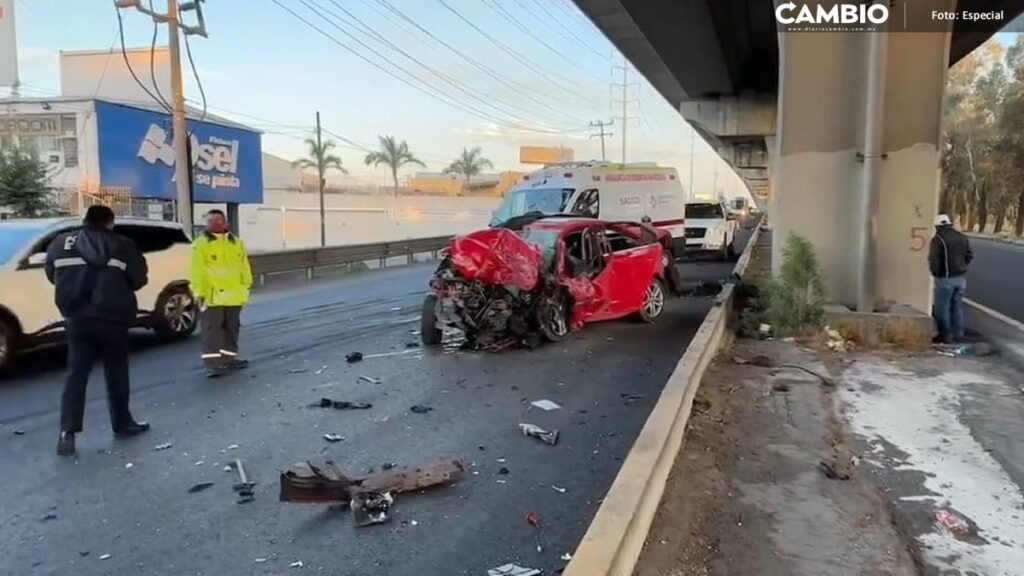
(948,258)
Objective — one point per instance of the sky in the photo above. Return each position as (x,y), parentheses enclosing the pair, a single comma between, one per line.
(513,73)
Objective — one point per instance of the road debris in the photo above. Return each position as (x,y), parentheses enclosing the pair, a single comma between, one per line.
(388,465)
(955,523)
(342,404)
(566,557)
(353,357)
(420,409)
(503,471)
(545,404)
(199,487)
(233,447)
(321,370)
(129,466)
(19,432)
(513,570)
(259,560)
(831,472)
(558,489)
(630,398)
(296,564)
(780,387)
(298,370)
(245,487)
(370,379)
(835,340)
(84,553)
(333,437)
(49,516)
(548,437)
(161,447)
(411,344)
(533,519)
(370,508)
(307,482)
(106,557)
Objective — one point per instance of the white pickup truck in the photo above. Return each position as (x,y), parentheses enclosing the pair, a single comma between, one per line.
(710,227)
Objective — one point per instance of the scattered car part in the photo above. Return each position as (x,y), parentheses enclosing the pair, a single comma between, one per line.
(533,519)
(558,489)
(370,508)
(545,404)
(513,570)
(369,379)
(353,357)
(420,409)
(545,436)
(245,487)
(333,437)
(430,333)
(307,482)
(199,487)
(342,404)
(161,447)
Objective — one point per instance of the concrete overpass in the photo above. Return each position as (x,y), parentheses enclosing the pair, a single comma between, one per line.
(837,131)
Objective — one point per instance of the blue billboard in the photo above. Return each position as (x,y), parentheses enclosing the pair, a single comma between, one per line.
(135,151)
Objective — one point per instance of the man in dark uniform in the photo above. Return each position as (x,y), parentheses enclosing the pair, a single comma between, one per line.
(948,258)
(96,274)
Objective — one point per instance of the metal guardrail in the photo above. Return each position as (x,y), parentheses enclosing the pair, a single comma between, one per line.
(309,259)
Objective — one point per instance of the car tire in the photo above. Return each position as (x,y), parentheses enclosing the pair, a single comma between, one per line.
(176,315)
(730,251)
(554,318)
(8,343)
(430,334)
(654,302)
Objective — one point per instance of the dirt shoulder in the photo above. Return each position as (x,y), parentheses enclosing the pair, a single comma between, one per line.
(765,483)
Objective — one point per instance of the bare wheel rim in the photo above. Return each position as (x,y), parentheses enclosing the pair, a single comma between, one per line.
(179,312)
(556,319)
(654,300)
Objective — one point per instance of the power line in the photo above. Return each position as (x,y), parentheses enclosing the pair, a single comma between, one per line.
(440,75)
(496,5)
(624,101)
(602,124)
(561,25)
(519,88)
(440,98)
(195,73)
(152,60)
(124,53)
(520,58)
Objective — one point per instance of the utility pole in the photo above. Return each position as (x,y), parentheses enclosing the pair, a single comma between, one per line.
(182,158)
(601,125)
(320,181)
(624,101)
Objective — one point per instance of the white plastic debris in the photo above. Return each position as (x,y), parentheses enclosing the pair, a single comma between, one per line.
(129,466)
(369,379)
(163,446)
(558,489)
(106,557)
(321,370)
(545,404)
(333,437)
(296,564)
(233,447)
(260,560)
(566,557)
(513,570)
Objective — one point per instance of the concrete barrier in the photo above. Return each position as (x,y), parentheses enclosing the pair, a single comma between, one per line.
(1004,238)
(615,538)
(1003,332)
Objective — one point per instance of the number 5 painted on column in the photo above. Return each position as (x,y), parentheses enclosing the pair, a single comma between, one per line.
(917,238)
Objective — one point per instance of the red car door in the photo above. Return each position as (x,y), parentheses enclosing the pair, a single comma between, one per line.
(630,272)
(590,286)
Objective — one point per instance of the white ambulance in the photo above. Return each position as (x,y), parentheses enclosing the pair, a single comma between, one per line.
(612,192)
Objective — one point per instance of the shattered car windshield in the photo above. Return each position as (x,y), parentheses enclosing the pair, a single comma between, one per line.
(546,239)
(519,202)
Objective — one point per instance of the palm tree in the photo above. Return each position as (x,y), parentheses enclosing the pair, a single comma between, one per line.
(394,155)
(323,159)
(469,164)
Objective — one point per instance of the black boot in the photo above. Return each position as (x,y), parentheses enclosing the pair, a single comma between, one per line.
(133,429)
(66,444)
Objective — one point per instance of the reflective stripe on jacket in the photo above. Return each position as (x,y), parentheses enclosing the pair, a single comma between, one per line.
(220,270)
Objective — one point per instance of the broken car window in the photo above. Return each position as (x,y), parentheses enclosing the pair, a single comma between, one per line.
(588,204)
(545,239)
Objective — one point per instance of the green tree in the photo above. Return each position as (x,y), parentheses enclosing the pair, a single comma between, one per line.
(321,157)
(394,155)
(24,185)
(797,295)
(469,164)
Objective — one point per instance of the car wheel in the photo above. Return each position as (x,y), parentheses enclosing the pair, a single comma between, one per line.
(654,302)
(176,315)
(430,334)
(730,251)
(554,319)
(8,340)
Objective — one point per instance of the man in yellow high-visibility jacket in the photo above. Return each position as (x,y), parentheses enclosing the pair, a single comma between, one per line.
(220,281)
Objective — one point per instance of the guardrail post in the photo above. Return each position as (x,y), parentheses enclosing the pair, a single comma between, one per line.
(309,273)
(410,258)
(263,280)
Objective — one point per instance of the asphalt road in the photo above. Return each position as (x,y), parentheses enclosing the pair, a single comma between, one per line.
(126,500)
(996,277)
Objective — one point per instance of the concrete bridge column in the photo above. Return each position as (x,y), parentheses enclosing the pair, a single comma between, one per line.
(818,176)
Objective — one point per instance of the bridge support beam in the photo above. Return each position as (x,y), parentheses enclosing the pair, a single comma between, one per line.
(818,169)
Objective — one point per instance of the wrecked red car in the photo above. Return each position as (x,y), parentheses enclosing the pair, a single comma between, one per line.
(540,277)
